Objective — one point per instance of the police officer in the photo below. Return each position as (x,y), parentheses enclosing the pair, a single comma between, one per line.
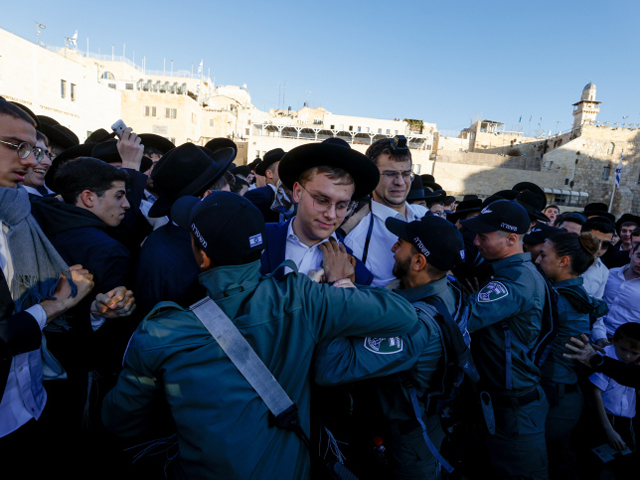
(505,322)
(222,424)
(424,251)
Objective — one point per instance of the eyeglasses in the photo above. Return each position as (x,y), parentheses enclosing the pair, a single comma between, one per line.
(323,204)
(24,150)
(392,176)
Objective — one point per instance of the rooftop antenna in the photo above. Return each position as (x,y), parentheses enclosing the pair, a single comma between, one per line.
(39,27)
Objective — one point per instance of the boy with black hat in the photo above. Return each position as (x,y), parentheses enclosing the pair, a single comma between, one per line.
(325,180)
(222,423)
(262,197)
(424,252)
(166,269)
(505,321)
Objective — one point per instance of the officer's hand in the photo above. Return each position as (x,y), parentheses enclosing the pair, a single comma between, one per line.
(344,283)
(615,440)
(602,342)
(581,348)
(130,149)
(337,263)
(118,302)
(471,287)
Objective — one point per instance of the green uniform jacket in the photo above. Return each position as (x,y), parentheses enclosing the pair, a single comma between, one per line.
(221,422)
(514,297)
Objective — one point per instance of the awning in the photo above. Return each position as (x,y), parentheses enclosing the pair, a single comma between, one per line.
(571,193)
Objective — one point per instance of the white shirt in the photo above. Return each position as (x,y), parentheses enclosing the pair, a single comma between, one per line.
(595,279)
(305,258)
(33,191)
(145,205)
(623,298)
(24,397)
(617,399)
(380,258)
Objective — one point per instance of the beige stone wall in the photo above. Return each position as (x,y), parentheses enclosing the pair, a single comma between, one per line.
(32,75)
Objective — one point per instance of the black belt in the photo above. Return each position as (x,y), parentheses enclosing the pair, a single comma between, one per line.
(514,400)
(561,387)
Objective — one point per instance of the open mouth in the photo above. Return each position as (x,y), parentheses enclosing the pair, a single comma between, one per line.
(41,171)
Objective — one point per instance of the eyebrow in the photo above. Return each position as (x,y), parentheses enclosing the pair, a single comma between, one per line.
(19,140)
(321,194)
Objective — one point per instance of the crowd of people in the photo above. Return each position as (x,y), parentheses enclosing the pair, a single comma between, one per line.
(318,313)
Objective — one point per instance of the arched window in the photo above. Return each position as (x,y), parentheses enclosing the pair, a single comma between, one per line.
(108,76)
(611,148)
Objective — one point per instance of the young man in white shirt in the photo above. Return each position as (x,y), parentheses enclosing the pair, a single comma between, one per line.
(370,240)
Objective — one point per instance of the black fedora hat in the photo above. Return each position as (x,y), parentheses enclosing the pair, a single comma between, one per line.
(598,209)
(471,205)
(532,187)
(432,185)
(81,150)
(60,136)
(107,151)
(627,217)
(28,111)
(533,204)
(186,170)
(255,163)
(45,120)
(417,192)
(157,142)
(300,159)
(219,143)
(271,157)
(100,135)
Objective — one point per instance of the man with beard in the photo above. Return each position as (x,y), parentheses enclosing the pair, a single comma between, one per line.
(370,240)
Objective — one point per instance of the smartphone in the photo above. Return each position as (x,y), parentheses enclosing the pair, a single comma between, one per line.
(119,128)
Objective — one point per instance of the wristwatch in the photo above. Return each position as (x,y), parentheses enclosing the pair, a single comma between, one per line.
(596,360)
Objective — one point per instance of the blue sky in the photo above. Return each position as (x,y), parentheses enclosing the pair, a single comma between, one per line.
(440,61)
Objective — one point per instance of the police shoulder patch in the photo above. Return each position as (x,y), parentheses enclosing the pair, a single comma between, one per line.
(384,346)
(492,291)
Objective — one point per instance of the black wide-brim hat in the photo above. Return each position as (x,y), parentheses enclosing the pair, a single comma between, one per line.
(418,192)
(219,143)
(598,209)
(107,151)
(151,140)
(298,160)
(77,151)
(472,205)
(28,111)
(100,135)
(187,170)
(533,188)
(60,136)
(531,201)
(627,217)
(45,120)
(271,157)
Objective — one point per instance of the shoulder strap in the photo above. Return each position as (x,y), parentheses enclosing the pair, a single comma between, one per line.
(249,365)
(365,251)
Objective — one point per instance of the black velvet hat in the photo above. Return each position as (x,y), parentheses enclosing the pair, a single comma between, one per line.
(300,159)
(271,157)
(82,150)
(186,170)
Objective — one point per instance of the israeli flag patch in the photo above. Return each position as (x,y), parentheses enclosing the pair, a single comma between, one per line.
(384,346)
(255,240)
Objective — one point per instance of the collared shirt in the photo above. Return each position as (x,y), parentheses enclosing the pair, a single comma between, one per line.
(595,279)
(617,399)
(24,397)
(34,191)
(145,205)
(622,296)
(380,259)
(306,258)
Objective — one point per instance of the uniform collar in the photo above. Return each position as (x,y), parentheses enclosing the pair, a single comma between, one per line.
(511,260)
(231,279)
(416,294)
(570,282)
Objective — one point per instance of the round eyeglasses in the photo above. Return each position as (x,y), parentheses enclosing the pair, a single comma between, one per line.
(323,204)
(24,150)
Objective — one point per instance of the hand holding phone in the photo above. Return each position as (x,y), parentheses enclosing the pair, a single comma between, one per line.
(119,128)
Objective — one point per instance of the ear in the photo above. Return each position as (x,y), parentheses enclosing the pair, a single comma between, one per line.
(87,199)
(297,192)
(205,261)
(418,262)
(512,239)
(204,195)
(269,174)
(564,261)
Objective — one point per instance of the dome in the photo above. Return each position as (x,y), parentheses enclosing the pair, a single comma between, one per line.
(589,86)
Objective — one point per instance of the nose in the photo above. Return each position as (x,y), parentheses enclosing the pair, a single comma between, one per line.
(30,161)
(398,180)
(125,203)
(331,213)
(476,242)
(395,247)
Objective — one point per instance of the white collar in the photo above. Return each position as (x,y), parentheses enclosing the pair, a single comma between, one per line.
(383,212)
